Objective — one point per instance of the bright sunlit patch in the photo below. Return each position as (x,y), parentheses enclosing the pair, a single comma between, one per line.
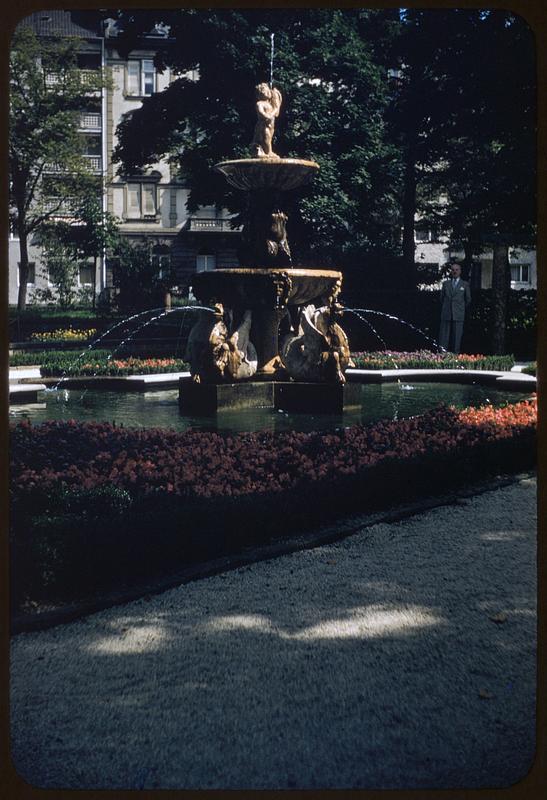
(503,536)
(141,639)
(363,623)
(371,621)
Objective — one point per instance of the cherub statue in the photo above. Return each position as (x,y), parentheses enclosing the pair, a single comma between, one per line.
(267,108)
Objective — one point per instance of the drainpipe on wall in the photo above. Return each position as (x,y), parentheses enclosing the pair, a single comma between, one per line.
(104,155)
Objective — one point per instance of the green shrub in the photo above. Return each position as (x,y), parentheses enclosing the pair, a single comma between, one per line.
(530,369)
(60,359)
(57,363)
(95,502)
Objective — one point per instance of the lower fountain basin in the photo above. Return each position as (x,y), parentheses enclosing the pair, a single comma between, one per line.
(248,287)
(268,172)
(160,408)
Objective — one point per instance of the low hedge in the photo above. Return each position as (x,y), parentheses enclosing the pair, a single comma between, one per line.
(56,363)
(425,359)
(93,505)
(530,369)
(60,359)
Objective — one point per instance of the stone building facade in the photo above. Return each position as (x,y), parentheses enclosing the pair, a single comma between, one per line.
(150,206)
(434,251)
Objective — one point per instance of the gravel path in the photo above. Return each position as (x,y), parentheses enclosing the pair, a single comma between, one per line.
(403,656)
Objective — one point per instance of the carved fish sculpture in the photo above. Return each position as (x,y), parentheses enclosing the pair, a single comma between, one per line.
(320,350)
(215,355)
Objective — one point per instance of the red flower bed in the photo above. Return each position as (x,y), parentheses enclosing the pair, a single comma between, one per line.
(203,464)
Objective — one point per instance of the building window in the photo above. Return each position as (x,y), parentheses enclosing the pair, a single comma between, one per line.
(205,262)
(88,61)
(31,278)
(85,275)
(520,273)
(141,77)
(141,200)
(430,233)
(162,265)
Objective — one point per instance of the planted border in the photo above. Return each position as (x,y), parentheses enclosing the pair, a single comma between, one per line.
(93,504)
(426,359)
(57,363)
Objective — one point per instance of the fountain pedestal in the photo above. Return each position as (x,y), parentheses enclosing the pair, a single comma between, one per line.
(289,396)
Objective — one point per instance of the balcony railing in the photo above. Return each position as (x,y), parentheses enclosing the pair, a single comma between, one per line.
(90,121)
(88,76)
(60,208)
(94,164)
(211,225)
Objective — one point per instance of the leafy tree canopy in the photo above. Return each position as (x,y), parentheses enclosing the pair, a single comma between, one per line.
(48,169)
(331,67)
(474,126)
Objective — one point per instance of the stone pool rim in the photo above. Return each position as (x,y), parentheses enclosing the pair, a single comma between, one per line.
(139,382)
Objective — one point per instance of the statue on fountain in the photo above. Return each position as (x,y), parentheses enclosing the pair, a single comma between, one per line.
(216,355)
(318,352)
(267,109)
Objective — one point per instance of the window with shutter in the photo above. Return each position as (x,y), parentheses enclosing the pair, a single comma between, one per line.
(149,199)
(133,77)
(133,200)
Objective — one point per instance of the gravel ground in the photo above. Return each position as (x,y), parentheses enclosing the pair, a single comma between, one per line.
(400,657)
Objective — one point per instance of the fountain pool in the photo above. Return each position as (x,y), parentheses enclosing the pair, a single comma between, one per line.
(161,408)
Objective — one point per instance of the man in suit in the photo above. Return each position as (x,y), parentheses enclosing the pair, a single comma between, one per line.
(455,299)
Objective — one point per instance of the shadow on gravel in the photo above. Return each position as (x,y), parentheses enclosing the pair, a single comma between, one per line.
(392,659)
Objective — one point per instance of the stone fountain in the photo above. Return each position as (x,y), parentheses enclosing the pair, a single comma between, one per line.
(275,337)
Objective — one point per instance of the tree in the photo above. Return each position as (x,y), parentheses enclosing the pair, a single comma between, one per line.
(61,265)
(96,233)
(48,171)
(69,244)
(474,122)
(137,277)
(331,67)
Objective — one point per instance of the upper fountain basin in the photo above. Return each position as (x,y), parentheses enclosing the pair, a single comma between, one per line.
(248,287)
(268,172)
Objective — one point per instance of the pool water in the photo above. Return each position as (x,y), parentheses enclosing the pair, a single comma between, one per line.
(161,409)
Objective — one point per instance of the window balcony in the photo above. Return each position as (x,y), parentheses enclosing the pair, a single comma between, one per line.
(210,225)
(60,208)
(89,78)
(90,121)
(95,163)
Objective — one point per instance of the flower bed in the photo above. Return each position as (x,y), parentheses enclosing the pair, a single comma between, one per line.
(92,502)
(425,359)
(92,366)
(69,334)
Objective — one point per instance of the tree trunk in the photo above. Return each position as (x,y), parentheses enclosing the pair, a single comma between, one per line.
(500,293)
(23,269)
(467,265)
(409,214)
(94,282)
